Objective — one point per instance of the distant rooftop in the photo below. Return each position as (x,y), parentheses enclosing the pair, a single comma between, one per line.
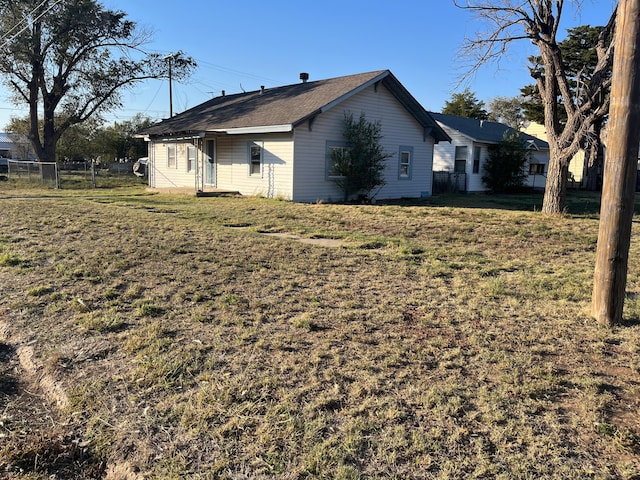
(484,130)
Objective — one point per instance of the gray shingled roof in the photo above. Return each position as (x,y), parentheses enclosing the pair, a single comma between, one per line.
(290,105)
(484,131)
(9,141)
(5,142)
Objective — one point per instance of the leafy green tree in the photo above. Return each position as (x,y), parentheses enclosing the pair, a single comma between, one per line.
(359,168)
(504,170)
(91,139)
(465,104)
(118,140)
(580,58)
(77,142)
(507,111)
(532,106)
(70,60)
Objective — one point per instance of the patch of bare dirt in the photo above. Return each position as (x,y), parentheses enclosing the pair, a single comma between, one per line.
(35,440)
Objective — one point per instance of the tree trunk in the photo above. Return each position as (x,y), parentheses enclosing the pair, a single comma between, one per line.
(616,213)
(34,90)
(593,159)
(49,136)
(555,193)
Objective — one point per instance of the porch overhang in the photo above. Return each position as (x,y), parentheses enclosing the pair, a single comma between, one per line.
(181,137)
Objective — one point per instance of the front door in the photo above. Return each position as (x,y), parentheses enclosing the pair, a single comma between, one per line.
(210,163)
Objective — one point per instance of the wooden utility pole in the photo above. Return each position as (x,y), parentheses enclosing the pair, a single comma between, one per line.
(169,59)
(621,165)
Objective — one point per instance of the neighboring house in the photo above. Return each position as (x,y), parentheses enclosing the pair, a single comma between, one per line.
(276,142)
(577,165)
(15,147)
(465,156)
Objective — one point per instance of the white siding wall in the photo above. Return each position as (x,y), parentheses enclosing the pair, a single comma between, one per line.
(474,180)
(444,160)
(161,175)
(398,128)
(445,154)
(300,175)
(233,165)
(538,181)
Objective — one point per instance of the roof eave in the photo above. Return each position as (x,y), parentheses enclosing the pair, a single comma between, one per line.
(171,136)
(283,128)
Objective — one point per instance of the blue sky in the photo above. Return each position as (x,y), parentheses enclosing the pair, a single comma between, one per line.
(244,44)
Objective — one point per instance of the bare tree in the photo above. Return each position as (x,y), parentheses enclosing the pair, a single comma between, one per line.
(616,214)
(538,21)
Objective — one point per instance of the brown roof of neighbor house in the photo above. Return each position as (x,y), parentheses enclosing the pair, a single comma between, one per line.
(284,108)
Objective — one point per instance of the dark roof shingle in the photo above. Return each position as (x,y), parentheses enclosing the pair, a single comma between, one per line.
(483,130)
(288,105)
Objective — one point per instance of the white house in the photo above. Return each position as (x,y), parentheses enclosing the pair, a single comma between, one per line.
(16,147)
(468,151)
(276,142)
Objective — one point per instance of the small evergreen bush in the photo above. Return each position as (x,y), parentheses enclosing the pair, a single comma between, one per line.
(504,170)
(359,168)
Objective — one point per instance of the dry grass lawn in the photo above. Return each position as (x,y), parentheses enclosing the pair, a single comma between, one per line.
(448,339)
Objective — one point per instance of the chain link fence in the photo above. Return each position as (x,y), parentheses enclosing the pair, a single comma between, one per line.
(70,175)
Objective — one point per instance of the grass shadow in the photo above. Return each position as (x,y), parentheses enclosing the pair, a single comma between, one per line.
(630,322)
(579,202)
(6,352)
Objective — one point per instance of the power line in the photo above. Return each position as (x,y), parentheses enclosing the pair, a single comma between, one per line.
(15,108)
(222,68)
(26,20)
(238,72)
(153,99)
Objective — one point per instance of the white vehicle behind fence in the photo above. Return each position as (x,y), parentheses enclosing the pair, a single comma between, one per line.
(140,167)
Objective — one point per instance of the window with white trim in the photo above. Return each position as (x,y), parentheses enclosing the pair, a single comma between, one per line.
(476,159)
(336,152)
(460,165)
(191,157)
(172,161)
(256,157)
(536,169)
(406,162)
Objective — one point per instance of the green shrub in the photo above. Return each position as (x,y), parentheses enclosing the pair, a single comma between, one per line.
(359,167)
(504,170)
